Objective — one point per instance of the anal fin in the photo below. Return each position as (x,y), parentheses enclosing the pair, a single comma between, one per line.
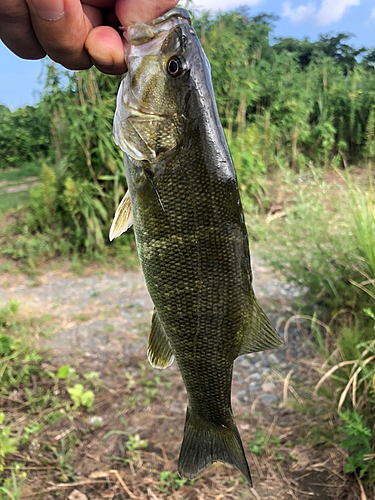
(123,218)
(159,352)
(260,335)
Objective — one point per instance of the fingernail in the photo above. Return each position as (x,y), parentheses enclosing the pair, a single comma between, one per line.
(100,58)
(49,10)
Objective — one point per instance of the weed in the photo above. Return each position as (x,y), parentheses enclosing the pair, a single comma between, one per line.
(133,444)
(93,378)
(64,457)
(28,432)
(18,174)
(312,246)
(12,488)
(265,443)
(358,440)
(7,443)
(16,200)
(166,479)
(81,397)
(151,389)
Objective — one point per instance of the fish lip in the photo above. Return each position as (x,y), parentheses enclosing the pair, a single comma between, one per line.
(175,12)
(146,38)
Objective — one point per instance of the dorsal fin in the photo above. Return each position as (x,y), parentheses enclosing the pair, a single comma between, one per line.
(159,352)
(123,218)
(260,334)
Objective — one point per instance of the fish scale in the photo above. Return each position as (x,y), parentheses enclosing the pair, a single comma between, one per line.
(190,232)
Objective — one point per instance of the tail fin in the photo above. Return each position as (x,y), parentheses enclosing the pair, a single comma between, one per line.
(205,443)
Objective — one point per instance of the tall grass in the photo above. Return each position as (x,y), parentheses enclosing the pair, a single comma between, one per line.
(363,210)
(325,243)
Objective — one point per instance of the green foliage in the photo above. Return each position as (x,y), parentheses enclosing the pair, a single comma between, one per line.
(9,201)
(81,397)
(43,199)
(7,443)
(30,169)
(313,100)
(313,244)
(24,136)
(19,362)
(351,372)
(168,478)
(263,443)
(363,210)
(358,441)
(293,104)
(12,487)
(248,154)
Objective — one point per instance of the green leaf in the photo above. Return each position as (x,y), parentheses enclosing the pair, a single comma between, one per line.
(63,371)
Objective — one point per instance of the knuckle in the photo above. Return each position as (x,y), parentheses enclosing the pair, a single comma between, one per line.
(13,14)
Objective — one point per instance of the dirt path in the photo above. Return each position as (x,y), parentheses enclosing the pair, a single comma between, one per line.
(17,186)
(100,322)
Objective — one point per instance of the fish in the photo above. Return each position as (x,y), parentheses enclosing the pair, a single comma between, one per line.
(184,204)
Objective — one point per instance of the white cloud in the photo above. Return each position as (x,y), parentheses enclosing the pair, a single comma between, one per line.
(332,11)
(300,14)
(372,16)
(223,4)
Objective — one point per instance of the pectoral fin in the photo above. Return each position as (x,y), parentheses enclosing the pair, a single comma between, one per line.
(123,218)
(159,350)
(260,335)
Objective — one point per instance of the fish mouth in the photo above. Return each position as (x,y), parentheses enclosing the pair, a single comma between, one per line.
(146,39)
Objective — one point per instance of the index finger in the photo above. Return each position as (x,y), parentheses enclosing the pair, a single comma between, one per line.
(16,30)
(62,28)
(142,11)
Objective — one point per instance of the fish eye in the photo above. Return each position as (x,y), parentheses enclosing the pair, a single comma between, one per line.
(175,66)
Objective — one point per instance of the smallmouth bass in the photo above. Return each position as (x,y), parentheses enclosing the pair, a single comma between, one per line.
(190,231)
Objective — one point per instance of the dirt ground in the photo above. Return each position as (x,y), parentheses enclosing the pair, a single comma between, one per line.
(99,322)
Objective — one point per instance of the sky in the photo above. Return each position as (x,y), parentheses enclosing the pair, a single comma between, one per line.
(19,84)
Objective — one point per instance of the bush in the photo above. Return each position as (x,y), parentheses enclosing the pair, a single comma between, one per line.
(317,244)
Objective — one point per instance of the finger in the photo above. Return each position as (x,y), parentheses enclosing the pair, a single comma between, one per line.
(106,50)
(16,30)
(61,27)
(142,11)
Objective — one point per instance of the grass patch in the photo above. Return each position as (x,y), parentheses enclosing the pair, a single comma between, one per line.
(34,399)
(31,169)
(310,237)
(324,244)
(9,201)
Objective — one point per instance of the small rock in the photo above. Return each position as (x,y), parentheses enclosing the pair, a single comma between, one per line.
(96,421)
(77,495)
(268,387)
(273,359)
(269,399)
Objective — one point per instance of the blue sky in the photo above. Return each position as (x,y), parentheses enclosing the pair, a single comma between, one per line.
(298,19)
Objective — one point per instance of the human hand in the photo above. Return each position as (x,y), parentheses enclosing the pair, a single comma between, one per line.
(74,33)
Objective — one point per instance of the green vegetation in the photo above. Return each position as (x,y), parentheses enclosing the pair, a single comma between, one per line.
(293,104)
(24,136)
(297,114)
(31,169)
(9,201)
(325,245)
(40,397)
